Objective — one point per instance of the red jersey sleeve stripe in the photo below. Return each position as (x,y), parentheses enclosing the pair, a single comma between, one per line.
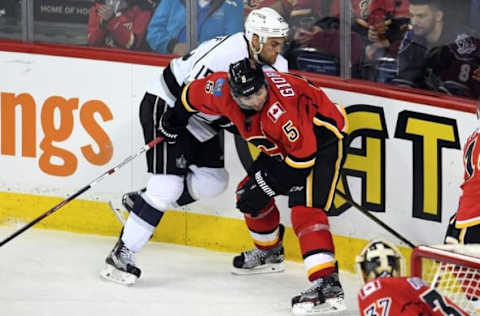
(317,121)
(341,109)
(184,98)
(300,164)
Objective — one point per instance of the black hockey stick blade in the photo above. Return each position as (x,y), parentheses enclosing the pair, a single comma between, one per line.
(374,218)
(82,190)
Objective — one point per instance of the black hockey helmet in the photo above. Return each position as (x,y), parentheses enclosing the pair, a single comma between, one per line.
(245,78)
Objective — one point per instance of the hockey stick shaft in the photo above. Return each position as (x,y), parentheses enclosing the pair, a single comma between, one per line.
(375,219)
(82,190)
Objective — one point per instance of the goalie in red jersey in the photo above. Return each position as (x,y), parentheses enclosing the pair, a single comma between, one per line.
(301,135)
(387,293)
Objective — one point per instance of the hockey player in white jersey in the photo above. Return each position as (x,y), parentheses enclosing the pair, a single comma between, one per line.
(193,167)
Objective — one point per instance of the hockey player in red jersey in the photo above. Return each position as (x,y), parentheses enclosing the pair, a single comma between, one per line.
(387,293)
(192,168)
(301,135)
(464,225)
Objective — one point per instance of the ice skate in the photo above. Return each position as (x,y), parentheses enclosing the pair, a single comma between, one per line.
(257,261)
(120,265)
(323,297)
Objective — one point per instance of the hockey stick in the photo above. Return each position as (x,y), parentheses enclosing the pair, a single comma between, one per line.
(122,213)
(375,219)
(82,190)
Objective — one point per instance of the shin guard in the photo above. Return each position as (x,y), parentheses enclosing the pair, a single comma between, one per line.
(316,242)
(264,228)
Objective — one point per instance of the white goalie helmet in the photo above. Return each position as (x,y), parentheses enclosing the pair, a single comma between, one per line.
(379,259)
(266,23)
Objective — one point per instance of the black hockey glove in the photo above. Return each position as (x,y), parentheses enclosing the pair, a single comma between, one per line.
(255,194)
(167,128)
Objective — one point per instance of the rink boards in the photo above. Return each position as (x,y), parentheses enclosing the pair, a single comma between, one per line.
(64,121)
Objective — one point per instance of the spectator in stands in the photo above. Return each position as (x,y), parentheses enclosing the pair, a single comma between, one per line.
(361,9)
(454,68)
(283,7)
(167,32)
(430,29)
(387,292)
(119,23)
(319,42)
(387,21)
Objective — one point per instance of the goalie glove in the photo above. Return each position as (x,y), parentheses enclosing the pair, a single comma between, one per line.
(254,194)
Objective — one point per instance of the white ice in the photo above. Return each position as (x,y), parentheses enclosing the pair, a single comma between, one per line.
(48,273)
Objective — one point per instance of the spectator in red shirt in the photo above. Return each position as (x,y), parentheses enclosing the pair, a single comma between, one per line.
(119,23)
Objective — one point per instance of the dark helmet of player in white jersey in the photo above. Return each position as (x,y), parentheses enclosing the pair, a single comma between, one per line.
(245,79)
(379,259)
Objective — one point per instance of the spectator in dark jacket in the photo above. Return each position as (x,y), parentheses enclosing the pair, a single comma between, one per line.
(430,29)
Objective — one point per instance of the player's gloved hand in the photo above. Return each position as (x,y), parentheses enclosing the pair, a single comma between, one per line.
(167,129)
(254,195)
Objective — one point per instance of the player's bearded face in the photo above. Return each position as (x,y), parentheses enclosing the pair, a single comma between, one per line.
(255,101)
(271,49)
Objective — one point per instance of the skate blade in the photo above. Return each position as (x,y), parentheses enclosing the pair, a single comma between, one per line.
(263,269)
(331,306)
(110,273)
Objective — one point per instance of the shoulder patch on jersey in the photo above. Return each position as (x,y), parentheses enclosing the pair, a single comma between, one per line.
(465,44)
(275,111)
(217,89)
(416,282)
(209,87)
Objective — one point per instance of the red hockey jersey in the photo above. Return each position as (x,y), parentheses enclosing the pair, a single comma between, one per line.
(468,213)
(403,296)
(285,126)
(125,31)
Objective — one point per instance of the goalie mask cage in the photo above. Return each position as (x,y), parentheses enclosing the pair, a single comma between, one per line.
(453,270)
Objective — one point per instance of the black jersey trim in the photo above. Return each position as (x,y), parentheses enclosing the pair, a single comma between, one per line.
(171,82)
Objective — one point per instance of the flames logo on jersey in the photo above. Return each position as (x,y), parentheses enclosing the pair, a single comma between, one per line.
(275,111)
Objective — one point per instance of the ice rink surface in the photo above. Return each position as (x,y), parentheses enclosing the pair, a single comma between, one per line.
(48,273)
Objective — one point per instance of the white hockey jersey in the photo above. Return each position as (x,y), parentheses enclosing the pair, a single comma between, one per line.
(211,56)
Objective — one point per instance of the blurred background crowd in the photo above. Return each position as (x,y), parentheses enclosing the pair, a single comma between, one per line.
(424,44)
